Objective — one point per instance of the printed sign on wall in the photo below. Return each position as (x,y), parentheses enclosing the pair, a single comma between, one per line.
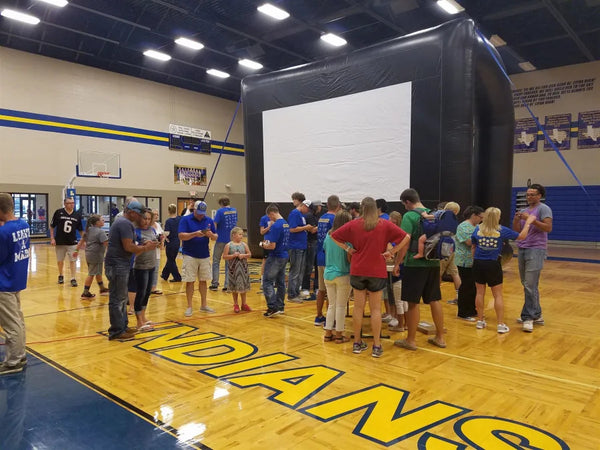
(190,176)
(589,130)
(558,129)
(525,140)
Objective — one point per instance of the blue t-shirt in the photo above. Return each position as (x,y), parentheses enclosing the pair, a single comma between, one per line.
(297,240)
(280,234)
(384,216)
(264,221)
(323,227)
(172,226)
(122,228)
(196,247)
(336,264)
(14,255)
(490,248)
(225,220)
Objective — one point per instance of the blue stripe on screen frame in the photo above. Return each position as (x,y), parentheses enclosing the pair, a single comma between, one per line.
(56,124)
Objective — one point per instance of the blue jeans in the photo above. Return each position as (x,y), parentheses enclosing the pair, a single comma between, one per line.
(118,278)
(531,262)
(143,287)
(309,264)
(217,254)
(274,277)
(296,271)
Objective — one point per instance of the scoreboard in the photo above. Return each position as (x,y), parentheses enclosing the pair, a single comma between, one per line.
(189,139)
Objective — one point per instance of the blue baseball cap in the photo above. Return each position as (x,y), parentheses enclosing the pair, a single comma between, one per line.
(135,206)
(200,207)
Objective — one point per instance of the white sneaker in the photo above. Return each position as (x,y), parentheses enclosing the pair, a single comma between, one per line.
(304,293)
(528,326)
(188,312)
(538,321)
(295,300)
(386,318)
(502,328)
(207,309)
(393,322)
(480,324)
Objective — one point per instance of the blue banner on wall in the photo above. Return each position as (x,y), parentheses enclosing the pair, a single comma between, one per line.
(525,140)
(558,127)
(589,130)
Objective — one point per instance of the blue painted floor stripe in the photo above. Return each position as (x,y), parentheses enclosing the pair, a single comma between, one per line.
(44,408)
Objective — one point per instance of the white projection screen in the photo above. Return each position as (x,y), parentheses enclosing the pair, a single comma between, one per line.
(354,146)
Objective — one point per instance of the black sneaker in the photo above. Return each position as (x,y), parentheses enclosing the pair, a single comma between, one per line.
(270,312)
(87,295)
(5,369)
(214,287)
(224,289)
(74,282)
(61,279)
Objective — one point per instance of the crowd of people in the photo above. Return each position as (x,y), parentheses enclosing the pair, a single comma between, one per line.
(359,251)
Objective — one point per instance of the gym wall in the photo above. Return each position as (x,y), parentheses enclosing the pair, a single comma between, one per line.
(37,160)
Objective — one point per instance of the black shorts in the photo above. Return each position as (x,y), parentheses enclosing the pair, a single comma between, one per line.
(371,284)
(421,282)
(487,272)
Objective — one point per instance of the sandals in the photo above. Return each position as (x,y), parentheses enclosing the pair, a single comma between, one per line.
(328,338)
(341,339)
(156,292)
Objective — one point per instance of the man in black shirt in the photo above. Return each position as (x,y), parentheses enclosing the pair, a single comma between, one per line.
(63,235)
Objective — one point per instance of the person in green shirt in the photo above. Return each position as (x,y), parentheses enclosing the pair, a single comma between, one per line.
(421,277)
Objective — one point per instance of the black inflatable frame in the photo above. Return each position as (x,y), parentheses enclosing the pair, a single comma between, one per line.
(462,121)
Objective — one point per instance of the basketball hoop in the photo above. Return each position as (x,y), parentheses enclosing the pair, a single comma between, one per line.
(103,174)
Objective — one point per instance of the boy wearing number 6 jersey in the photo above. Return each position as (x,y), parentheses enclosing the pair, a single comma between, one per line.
(63,235)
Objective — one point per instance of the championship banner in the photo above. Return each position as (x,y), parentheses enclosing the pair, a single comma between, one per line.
(558,129)
(589,130)
(190,176)
(525,140)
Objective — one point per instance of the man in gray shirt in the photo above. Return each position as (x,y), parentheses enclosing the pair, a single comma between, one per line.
(121,247)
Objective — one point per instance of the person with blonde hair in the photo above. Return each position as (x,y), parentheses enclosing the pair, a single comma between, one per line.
(337,281)
(369,236)
(487,247)
(236,253)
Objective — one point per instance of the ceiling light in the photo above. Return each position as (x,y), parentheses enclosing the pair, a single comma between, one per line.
(217,73)
(59,3)
(527,66)
(157,55)
(497,41)
(333,39)
(273,11)
(194,45)
(450,6)
(15,15)
(250,64)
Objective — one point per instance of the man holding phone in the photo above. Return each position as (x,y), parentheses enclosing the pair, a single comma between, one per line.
(195,232)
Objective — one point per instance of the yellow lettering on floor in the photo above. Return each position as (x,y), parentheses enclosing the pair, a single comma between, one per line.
(169,337)
(429,441)
(383,421)
(249,364)
(292,386)
(504,434)
(215,351)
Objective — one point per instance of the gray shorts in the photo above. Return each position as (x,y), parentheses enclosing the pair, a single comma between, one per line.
(95,268)
(65,250)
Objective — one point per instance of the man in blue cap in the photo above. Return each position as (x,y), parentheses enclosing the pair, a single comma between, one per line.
(195,232)
(121,247)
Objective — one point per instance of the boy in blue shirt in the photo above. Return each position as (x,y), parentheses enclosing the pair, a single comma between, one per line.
(225,220)
(14,262)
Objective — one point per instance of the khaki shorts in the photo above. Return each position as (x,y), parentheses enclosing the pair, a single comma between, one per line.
(196,269)
(65,250)
(321,271)
(448,266)
(95,268)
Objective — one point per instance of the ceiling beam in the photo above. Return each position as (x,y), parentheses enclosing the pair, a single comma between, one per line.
(109,16)
(563,22)
(378,17)
(525,7)
(48,44)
